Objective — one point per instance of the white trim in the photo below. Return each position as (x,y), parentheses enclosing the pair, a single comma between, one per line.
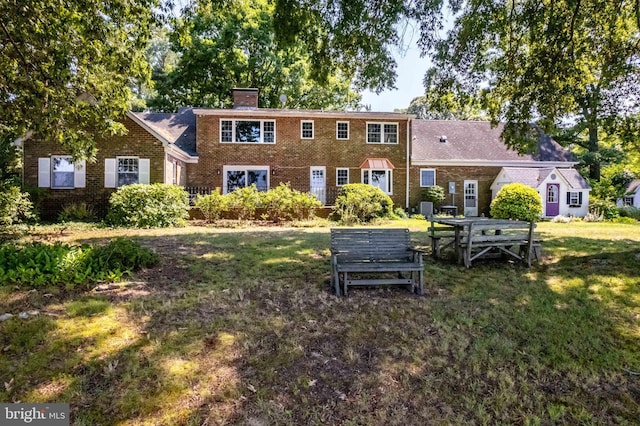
(434,177)
(110,172)
(284,113)
(382,124)
(348,177)
(80,174)
(470,211)
(233,130)
(348,130)
(245,168)
(313,130)
(489,163)
(44,172)
(176,152)
(389,176)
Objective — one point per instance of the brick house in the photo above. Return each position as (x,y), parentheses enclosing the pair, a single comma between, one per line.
(316,151)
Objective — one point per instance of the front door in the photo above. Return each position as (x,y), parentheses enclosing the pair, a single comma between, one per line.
(553,200)
(318,183)
(471,198)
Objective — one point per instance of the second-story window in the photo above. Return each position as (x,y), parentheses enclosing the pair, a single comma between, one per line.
(247,131)
(382,133)
(306,129)
(342,130)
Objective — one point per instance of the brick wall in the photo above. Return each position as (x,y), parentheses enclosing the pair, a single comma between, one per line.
(138,142)
(484,175)
(291,157)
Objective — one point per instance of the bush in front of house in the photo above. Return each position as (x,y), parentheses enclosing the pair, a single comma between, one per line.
(603,208)
(361,203)
(283,203)
(434,194)
(212,206)
(243,202)
(15,206)
(629,211)
(517,201)
(157,205)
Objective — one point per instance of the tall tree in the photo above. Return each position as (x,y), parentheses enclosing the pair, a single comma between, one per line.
(66,67)
(220,48)
(570,66)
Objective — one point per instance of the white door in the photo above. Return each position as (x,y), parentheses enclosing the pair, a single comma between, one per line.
(471,198)
(318,182)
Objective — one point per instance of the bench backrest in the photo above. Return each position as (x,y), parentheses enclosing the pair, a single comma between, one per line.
(370,244)
(516,230)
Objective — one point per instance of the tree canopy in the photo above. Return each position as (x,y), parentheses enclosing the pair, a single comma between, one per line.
(66,67)
(218,48)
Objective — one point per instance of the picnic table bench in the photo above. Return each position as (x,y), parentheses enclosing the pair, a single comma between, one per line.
(512,238)
(441,237)
(367,251)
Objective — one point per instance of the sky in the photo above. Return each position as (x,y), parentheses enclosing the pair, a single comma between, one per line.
(411,70)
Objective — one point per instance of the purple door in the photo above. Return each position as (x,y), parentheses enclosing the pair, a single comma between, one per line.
(553,200)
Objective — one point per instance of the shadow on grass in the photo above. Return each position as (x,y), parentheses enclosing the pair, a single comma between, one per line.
(240,328)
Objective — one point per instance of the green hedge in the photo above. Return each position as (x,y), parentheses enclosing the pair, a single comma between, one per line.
(148,206)
(361,203)
(517,201)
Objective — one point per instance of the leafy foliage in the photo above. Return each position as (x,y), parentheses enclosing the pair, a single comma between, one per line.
(80,211)
(591,48)
(38,264)
(148,206)
(66,68)
(607,209)
(215,47)
(362,203)
(212,206)
(629,211)
(15,206)
(435,194)
(243,202)
(517,201)
(283,203)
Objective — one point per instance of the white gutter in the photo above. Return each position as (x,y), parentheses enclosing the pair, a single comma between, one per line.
(406,202)
(498,163)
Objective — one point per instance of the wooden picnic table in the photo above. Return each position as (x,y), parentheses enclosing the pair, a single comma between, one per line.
(476,237)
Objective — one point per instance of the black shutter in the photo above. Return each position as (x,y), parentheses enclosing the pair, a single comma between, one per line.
(568,198)
(580,198)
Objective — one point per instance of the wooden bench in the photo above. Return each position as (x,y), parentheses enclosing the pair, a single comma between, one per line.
(369,251)
(441,238)
(515,239)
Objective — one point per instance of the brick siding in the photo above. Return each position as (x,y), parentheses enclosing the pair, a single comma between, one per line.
(138,142)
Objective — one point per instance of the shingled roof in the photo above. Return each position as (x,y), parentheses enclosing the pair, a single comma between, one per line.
(177,128)
(532,177)
(475,141)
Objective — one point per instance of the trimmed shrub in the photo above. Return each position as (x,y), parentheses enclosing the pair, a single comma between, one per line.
(283,203)
(212,206)
(604,208)
(243,202)
(517,201)
(361,203)
(39,264)
(148,206)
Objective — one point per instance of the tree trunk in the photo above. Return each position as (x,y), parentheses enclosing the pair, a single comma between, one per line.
(594,148)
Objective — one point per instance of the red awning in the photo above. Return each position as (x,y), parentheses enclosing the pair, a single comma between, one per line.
(376,163)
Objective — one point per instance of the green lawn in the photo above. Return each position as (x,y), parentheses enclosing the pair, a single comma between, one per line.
(237,326)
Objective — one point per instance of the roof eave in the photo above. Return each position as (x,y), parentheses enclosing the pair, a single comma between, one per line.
(493,163)
(301,113)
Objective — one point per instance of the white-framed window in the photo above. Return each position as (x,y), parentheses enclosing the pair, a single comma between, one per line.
(247,131)
(574,198)
(60,172)
(427,177)
(382,133)
(379,178)
(627,201)
(342,130)
(342,176)
(126,170)
(236,177)
(306,129)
